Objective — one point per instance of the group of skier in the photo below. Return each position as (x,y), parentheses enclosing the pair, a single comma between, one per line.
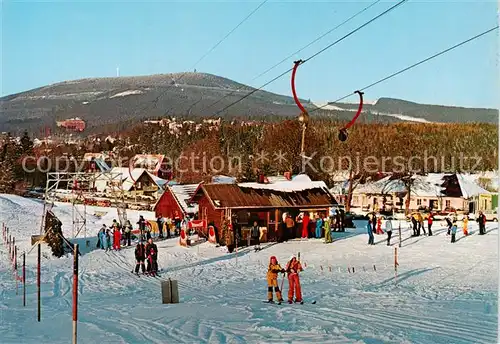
(292,269)
(374,226)
(114,236)
(146,253)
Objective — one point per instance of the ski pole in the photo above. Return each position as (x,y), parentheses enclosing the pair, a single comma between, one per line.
(282,282)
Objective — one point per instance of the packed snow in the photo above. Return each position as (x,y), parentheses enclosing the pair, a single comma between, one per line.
(127,93)
(443,292)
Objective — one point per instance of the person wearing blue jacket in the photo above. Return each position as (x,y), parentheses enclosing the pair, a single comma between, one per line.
(102,237)
(453,231)
(371,238)
(319,227)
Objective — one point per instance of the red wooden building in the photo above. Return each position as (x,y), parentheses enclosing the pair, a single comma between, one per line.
(264,203)
(175,201)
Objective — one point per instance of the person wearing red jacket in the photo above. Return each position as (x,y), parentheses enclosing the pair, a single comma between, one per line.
(305,226)
(430,219)
(117,237)
(293,268)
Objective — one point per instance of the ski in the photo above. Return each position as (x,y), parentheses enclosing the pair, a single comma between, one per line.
(272,303)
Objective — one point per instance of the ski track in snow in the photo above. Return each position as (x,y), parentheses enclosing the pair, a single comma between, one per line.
(444,293)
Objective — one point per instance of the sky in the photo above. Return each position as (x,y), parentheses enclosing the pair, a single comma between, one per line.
(48,42)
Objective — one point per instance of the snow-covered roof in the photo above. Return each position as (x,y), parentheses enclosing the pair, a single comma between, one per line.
(220,179)
(298,183)
(423,186)
(183,193)
(469,187)
(128,176)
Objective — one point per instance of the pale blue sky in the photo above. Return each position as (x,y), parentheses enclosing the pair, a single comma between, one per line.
(48,42)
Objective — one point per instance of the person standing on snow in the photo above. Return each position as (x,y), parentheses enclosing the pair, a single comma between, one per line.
(379,226)
(371,238)
(108,240)
(140,256)
(272,280)
(305,226)
(152,256)
(290,229)
(388,230)
(319,226)
(374,222)
(142,227)
(414,222)
(481,219)
(328,231)
(466,222)
(128,232)
(453,231)
(255,235)
(117,236)
(420,220)
(430,219)
(450,224)
(102,237)
(159,222)
(293,268)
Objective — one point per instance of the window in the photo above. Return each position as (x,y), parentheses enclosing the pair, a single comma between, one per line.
(419,201)
(448,203)
(355,199)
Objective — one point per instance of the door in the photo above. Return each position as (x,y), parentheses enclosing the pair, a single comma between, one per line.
(472,207)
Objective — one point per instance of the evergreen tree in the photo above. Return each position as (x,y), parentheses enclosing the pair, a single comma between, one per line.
(7,177)
(26,144)
(53,234)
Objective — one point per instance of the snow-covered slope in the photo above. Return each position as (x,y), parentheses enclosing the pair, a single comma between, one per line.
(444,293)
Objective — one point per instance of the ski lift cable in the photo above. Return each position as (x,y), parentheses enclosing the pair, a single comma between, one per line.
(410,67)
(295,53)
(315,54)
(155,101)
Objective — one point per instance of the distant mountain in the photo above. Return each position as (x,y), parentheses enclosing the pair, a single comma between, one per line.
(409,111)
(117,102)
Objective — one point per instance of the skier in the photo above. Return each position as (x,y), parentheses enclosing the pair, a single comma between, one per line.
(290,229)
(374,222)
(272,280)
(102,237)
(420,220)
(159,222)
(371,239)
(319,225)
(117,236)
(255,235)
(142,227)
(108,239)
(328,232)
(388,230)
(450,224)
(168,226)
(453,231)
(414,222)
(128,232)
(293,268)
(140,255)
(152,255)
(342,220)
(429,223)
(466,221)
(481,219)
(379,226)
(305,226)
